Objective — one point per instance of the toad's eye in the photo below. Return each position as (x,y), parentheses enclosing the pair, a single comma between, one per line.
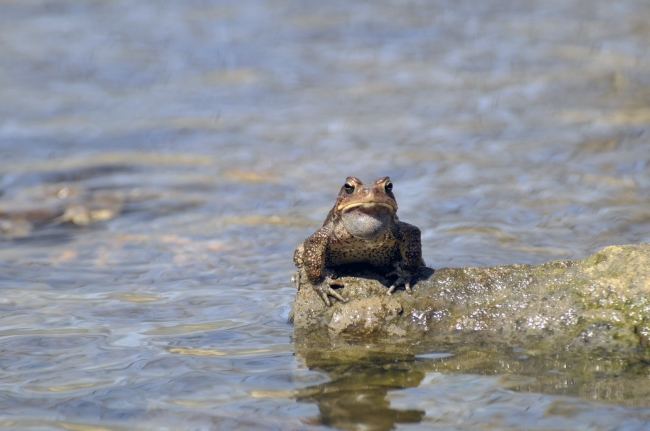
(349,188)
(388,187)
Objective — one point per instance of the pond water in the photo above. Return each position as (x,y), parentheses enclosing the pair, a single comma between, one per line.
(160,161)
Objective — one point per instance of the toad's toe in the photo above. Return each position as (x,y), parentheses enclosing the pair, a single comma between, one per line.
(325,290)
(404,278)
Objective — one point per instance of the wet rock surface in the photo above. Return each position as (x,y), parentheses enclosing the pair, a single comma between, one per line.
(600,301)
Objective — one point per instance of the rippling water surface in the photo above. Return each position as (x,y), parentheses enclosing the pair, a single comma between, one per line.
(159,162)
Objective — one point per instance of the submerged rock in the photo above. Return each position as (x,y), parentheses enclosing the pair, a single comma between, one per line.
(600,301)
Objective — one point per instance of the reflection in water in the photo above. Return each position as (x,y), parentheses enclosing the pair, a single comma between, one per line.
(356,395)
(370,380)
(357,399)
(445,398)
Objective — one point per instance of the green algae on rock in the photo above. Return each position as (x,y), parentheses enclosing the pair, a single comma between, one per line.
(600,301)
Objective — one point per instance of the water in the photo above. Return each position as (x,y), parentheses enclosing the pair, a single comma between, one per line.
(159,162)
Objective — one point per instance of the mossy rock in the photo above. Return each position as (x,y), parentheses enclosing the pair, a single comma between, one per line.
(601,301)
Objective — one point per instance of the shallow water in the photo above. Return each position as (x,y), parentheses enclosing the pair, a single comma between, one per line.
(159,162)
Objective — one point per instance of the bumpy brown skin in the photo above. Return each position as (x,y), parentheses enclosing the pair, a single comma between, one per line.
(361,228)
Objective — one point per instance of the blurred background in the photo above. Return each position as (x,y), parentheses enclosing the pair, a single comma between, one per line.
(160,161)
(514,132)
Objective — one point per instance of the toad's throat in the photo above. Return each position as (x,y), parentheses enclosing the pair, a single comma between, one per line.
(367,220)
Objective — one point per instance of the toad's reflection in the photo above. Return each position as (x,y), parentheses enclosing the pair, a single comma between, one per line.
(355,398)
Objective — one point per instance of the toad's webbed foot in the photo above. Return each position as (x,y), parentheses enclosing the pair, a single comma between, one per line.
(324,288)
(404,277)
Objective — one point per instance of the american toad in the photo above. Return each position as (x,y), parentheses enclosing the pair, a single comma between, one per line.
(361,228)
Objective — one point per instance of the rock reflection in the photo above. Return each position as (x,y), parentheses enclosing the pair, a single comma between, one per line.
(366,375)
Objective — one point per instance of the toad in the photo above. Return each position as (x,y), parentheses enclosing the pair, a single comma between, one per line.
(361,228)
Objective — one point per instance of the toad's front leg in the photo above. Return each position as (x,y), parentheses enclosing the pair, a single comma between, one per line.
(410,247)
(404,277)
(313,261)
(324,288)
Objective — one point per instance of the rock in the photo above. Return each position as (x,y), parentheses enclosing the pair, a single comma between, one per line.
(600,301)
(365,315)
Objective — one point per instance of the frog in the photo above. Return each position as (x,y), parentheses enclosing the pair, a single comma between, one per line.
(361,228)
